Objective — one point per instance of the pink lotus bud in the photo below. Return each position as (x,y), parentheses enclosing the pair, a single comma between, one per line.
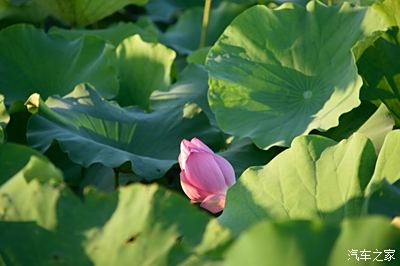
(205,176)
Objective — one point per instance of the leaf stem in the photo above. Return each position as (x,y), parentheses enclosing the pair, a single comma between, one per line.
(204,27)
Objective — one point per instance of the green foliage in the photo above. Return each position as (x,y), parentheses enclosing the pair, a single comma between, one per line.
(139,224)
(313,243)
(20,11)
(84,12)
(381,69)
(89,171)
(114,34)
(363,119)
(184,36)
(143,68)
(164,10)
(86,122)
(190,90)
(280,79)
(33,61)
(378,126)
(314,179)
(13,157)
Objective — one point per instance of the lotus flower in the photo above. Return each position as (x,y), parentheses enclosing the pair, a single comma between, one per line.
(205,176)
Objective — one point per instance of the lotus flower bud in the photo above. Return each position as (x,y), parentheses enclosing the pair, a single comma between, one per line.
(205,176)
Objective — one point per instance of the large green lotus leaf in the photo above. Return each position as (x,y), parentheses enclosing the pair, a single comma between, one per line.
(92,130)
(33,61)
(316,178)
(4,118)
(114,34)
(153,223)
(13,157)
(304,243)
(84,12)
(139,225)
(184,36)
(271,86)
(37,210)
(143,68)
